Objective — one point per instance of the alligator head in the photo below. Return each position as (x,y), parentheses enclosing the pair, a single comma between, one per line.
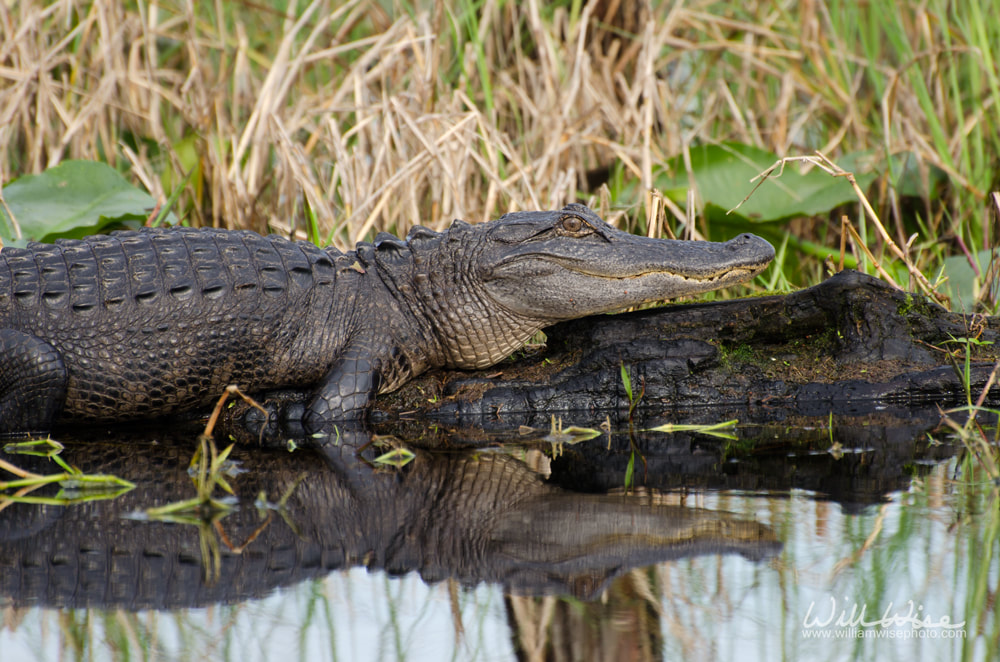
(570,263)
(486,289)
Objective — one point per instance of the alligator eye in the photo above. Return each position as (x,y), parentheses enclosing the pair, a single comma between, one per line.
(572,224)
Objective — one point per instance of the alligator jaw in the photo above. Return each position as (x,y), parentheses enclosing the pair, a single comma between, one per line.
(699,277)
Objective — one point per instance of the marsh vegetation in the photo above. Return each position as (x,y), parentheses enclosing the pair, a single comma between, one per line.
(332,121)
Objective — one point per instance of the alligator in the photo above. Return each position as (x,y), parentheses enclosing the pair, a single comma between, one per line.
(155,322)
(470,516)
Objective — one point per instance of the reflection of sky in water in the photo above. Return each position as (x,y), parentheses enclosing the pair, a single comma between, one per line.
(724,608)
(352,615)
(733,610)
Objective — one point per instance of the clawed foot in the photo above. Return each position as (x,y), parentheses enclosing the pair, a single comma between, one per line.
(274,423)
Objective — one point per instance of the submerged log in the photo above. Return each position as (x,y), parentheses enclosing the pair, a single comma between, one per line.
(851,339)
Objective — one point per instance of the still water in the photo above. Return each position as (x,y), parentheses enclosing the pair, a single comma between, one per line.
(862,535)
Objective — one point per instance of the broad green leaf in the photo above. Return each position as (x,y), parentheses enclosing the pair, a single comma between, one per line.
(963,286)
(723,174)
(72,199)
(913,181)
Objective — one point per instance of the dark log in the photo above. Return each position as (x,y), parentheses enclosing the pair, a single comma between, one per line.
(851,340)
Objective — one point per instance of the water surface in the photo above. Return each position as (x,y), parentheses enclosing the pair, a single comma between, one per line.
(865,535)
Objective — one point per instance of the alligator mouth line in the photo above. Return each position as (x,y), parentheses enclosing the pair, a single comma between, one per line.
(580,267)
(738,271)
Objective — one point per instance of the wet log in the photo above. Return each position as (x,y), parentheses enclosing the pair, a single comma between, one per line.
(850,341)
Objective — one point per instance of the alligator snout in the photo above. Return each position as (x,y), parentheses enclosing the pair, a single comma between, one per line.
(747,239)
(756,249)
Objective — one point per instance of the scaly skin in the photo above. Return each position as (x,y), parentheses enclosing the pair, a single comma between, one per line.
(156,322)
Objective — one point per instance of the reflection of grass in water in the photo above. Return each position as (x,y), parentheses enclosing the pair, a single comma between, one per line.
(978,517)
(203,510)
(983,535)
(978,522)
(901,538)
(626,623)
(208,469)
(77,487)
(88,634)
(711,429)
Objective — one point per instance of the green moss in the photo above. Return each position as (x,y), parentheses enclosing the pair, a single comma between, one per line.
(906,306)
(733,356)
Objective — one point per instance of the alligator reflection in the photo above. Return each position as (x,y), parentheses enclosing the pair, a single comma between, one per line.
(471,516)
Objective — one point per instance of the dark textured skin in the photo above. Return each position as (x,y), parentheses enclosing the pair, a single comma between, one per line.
(156,322)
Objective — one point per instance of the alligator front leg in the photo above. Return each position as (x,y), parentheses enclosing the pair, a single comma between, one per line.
(32,383)
(347,390)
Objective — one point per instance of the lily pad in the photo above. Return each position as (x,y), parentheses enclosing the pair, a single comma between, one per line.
(963,285)
(72,199)
(723,172)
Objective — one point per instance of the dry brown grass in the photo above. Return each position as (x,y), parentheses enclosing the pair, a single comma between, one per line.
(383,145)
(336,120)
